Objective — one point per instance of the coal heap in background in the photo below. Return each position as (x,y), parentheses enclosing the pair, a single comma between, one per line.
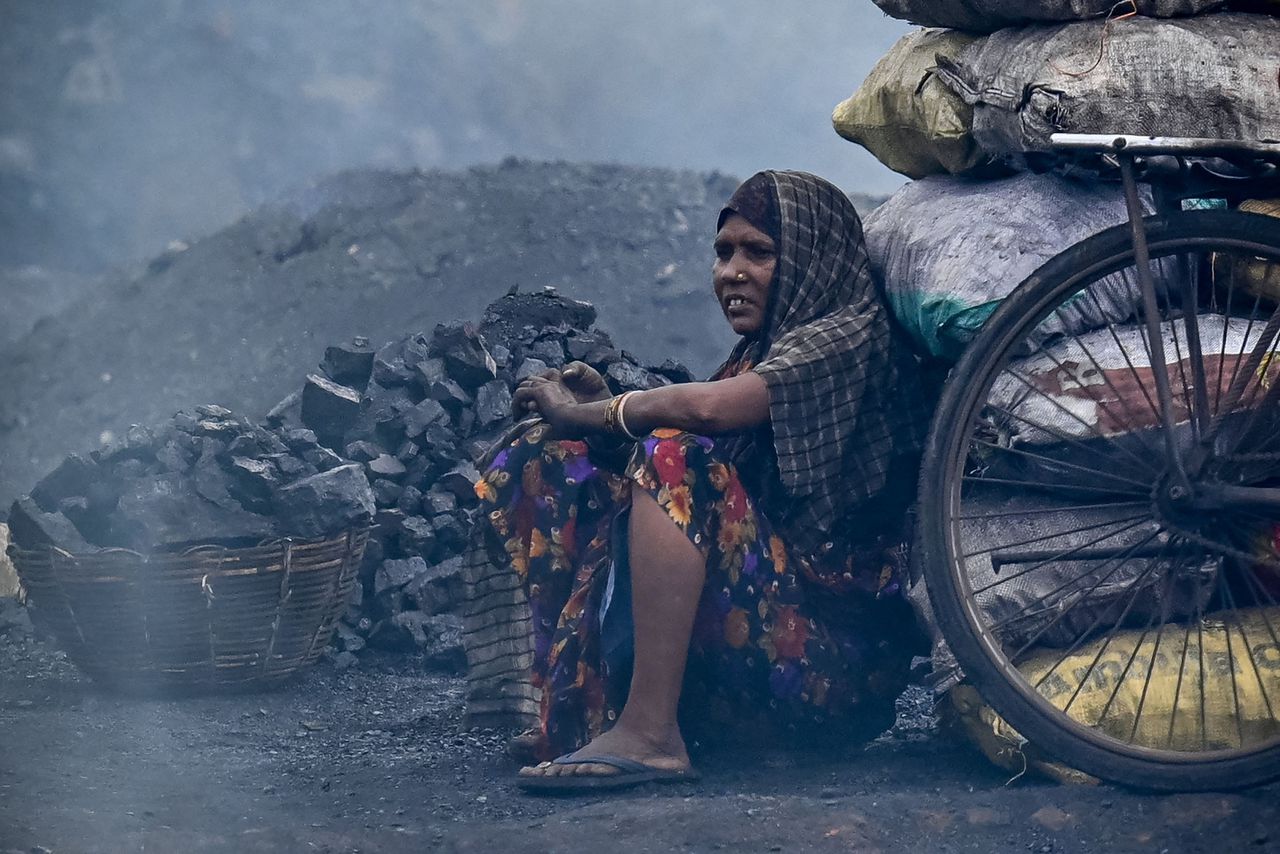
(420,414)
(237,316)
(31,294)
(203,476)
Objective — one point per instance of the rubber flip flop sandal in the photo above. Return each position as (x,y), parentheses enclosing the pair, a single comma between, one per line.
(630,773)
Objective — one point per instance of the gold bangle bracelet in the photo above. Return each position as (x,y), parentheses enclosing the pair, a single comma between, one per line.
(611,415)
(622,417)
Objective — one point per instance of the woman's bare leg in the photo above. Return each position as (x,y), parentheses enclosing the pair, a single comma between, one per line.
(667,576)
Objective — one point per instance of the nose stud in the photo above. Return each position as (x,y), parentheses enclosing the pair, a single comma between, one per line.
(741,277)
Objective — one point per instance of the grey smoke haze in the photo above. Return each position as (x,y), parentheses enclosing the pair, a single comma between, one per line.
(129,124)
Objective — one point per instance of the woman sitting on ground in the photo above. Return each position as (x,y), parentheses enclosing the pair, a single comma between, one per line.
(754,521)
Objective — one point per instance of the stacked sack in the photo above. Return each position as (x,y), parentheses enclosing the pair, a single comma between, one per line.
(966,107)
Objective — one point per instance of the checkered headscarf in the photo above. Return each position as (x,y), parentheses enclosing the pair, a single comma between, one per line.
(844,399)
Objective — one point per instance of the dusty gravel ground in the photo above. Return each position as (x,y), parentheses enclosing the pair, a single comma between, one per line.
(370,760)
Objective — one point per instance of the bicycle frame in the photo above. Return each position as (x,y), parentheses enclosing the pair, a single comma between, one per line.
(1261,160)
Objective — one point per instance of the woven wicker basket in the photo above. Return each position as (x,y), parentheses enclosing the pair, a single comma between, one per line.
(208,618)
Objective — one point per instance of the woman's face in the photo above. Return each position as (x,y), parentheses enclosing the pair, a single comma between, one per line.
(743,273)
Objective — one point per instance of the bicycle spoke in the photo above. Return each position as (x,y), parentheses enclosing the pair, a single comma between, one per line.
(1231,661)
(1066,555)
(1231,607)
(1106,378)
(1060,463)
(1100,403)
(1182,668)
(1137,647)
(1083,637)
(1133,598)
(1124,351)
(1073,416)
(1151,663)
(1043,510)
(1055,535)
(1048,487)
(1062,437)
(1040,600)
(1195,351)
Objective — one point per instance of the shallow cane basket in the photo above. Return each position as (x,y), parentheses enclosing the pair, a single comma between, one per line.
(207,618)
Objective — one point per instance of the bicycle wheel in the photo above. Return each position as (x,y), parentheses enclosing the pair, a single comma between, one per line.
(1100,578)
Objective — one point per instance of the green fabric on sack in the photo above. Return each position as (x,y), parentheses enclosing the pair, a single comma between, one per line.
(939,325)
(906,117)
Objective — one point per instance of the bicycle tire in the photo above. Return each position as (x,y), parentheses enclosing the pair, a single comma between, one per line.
(984,662)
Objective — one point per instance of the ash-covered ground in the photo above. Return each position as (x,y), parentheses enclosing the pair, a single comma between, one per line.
(370,759)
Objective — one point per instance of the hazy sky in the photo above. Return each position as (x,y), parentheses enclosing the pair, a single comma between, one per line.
(129,124)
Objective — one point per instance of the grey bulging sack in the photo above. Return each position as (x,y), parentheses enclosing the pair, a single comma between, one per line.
(1213,76)
(985,16)
(949,249)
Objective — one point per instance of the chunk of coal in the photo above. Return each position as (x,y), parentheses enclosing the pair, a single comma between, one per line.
(395,574)
(386,466)
(253,482)
(466,359)
(549,351)
(361,451)
(461,481)
(329,409)
(410,501)
(322,504)
(299,439)
(590,347)
(423,415)
(443,649)
(284,410)
(530,367)
(408,451)
(623,376)
(401,632)
(429,372)
(388,522)
(451,533)
(493,403)
(165,512)
(344,661)
(322,458)
(31,527)
(355,602)
(439,502)
(544,309)
(449,393)
(290,466)
(72,477)
(15,622)
(417,537)
(440,442)
(349,364)
(347,640)
(386,492)
(674,371)
(438,588)
(394,364)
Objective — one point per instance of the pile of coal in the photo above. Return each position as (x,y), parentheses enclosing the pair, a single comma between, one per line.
(204,476)
(419,415)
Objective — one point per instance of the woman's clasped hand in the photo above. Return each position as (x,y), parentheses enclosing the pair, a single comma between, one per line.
(556,395)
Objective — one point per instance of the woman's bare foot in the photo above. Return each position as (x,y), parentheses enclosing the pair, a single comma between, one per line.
(665,753)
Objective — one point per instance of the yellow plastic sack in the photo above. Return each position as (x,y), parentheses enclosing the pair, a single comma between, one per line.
(906,117)
(1189,703)
(1260,277)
